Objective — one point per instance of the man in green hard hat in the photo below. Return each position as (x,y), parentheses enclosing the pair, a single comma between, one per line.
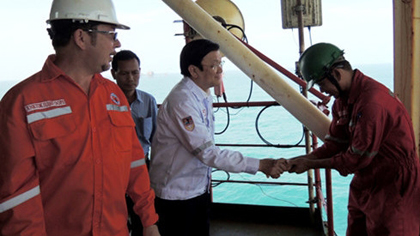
(370,136)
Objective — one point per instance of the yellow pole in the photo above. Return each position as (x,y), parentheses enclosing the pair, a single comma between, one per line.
(407,59)
(252,66)
(415,102)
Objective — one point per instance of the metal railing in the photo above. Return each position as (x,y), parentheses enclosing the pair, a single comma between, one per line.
(313,184)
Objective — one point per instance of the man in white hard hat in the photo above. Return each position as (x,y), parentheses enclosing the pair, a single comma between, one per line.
(69,152)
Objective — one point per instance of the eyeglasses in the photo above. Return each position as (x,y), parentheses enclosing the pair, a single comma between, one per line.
(215,66)
(112,33)
(321,82)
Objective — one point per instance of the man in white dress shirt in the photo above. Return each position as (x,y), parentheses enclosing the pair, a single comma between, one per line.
(183,148)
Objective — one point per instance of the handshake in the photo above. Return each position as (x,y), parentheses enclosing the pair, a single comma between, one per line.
(275,167)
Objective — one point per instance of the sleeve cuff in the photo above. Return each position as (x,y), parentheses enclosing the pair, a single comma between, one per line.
(252,166)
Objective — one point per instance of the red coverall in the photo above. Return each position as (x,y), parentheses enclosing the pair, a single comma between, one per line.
(68,159)
(371,135)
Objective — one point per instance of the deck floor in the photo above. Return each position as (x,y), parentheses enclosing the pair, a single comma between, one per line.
(231,220)
(231,228)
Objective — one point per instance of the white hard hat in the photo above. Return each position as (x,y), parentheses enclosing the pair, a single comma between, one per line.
(85,10)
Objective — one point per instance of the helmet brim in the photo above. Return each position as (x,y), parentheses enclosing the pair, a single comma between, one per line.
(121,26)
(310,84)
(117,25)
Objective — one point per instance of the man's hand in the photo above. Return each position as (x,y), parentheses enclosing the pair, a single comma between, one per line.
(273,168)
(151,231)
(299,164)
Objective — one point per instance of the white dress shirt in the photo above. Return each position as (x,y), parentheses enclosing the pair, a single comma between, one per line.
(183,148)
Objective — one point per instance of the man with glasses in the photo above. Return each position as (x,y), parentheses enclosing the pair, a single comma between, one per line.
(371,136)
(69,152)
(183,148)
(112,33)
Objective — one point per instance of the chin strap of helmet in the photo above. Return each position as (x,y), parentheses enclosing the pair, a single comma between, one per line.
(335,83)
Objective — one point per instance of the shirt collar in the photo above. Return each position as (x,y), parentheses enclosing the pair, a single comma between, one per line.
(196,89)
(51,72)
(138,96)
(355,86)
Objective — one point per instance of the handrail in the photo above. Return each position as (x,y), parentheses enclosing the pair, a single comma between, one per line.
(245,104)
(258,182)
(325,100)
(259,145)
(328,204)
(319,200)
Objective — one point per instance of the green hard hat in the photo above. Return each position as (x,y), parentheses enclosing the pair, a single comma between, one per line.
(317,60)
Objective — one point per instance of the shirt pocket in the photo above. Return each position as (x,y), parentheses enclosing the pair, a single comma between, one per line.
(52,140)
(342,127)
(122,130)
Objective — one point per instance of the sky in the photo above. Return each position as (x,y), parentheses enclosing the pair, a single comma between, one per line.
(362,28)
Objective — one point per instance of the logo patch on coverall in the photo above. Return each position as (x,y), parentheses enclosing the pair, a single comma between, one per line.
(115,99)
(188,123)
(45,105)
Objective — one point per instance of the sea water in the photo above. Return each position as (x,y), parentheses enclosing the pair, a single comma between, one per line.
(274,125)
